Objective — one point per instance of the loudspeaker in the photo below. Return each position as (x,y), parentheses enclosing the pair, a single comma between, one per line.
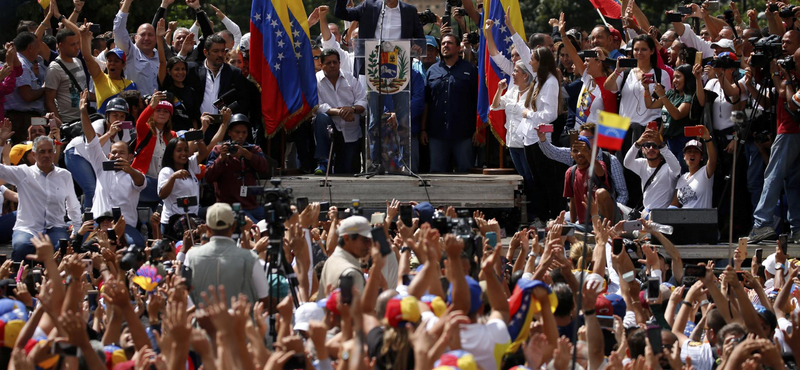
(691,226)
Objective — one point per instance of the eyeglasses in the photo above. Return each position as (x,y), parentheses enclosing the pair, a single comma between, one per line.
(316,57)
(649,145)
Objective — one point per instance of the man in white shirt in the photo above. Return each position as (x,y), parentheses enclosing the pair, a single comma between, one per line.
(46,195)
(119,188)
(342,99)
(142,66)
(658,184)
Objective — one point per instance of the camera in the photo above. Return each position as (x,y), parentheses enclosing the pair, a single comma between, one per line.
(461,12)
(724,63)
(427,17)
(355,208)
(787,12)
(462,226)
(132,258)
(158,249)
(278,202)
(787,63)
(765,49)
(473,38)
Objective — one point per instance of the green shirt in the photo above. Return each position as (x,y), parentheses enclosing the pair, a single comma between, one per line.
(673,127)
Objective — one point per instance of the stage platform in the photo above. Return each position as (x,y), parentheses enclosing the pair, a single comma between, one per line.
(460,191)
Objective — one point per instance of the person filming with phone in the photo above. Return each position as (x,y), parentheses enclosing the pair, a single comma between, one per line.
(234,167)
(118,184)
(695,187)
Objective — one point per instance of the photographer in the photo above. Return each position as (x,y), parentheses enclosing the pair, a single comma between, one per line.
(178,175)
(233,166)
(116,188)
(784,159)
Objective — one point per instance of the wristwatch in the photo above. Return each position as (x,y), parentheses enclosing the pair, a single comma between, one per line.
(780,266)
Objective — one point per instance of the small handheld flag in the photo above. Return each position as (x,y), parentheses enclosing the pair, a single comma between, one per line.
(611,130)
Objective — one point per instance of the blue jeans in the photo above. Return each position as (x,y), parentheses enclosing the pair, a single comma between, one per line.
(415,152)
(394,144)
(782,173)
(343,153)
(134,237)
(21,241)
(7,222)
(676,145)
(524,169)
(150,192)
(83,174)
(442,150)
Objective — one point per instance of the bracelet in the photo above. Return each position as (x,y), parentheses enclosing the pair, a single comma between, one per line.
(588,312)
(688,304)
(598,216)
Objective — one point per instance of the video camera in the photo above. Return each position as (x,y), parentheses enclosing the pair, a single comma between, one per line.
(724,63)
(787,12)
(278,202)
(461,227)
(764,50)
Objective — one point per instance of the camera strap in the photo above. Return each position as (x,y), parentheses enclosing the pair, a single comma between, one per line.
(143,144)
(653,176)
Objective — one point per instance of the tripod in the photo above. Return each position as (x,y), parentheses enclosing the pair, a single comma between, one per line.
(277,266)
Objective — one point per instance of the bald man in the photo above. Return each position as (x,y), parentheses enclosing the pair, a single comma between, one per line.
(141,55)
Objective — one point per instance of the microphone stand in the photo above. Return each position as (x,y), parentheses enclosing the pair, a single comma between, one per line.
(377,167)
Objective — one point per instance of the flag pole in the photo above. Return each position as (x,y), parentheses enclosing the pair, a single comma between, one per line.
(602,17)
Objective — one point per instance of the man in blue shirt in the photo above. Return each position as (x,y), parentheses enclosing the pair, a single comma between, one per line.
(451,102)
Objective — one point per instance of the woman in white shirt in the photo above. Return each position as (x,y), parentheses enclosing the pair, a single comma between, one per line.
(541,107)
(695,188)
(513,102)
(179,170)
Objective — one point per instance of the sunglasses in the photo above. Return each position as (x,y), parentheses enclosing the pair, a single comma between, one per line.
(649,145)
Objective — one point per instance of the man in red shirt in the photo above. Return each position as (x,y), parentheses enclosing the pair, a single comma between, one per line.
(576,181)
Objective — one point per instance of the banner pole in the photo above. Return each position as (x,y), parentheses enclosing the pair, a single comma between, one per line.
(602,17)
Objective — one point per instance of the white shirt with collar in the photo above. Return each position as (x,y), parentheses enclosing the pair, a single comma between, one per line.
(345,57)
(139,68)
(14,100)
(44,200)
(211,92)
(348,92)
(392,24)
(114,188)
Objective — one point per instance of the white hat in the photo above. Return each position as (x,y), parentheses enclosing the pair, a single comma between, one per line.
(724,43)
(306,313)
(355,225)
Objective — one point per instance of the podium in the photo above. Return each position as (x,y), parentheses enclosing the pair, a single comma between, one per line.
(388,74)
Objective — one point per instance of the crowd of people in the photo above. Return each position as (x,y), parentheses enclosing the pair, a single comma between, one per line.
(133,197)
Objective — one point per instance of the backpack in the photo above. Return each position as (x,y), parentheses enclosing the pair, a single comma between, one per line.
(595,179)
(656,74)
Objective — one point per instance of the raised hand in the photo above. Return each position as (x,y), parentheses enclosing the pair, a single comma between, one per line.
(194,4)
(161,29)
(44,248)
(220,15)
(5,131)
(502,84)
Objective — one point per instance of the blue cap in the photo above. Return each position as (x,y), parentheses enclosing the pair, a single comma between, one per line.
(118,52)
(424,211)
(430,40)
(474,294)
(585,140)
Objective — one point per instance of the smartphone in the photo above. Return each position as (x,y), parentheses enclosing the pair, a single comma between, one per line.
(126,125)
(216,118)
(112,235)
(37,276)
(346,289)
(92,298)
(545,128)
(634,225)
(693,131)
(63,244)
(302,203)
(64,349)
(53,123)
(406,279)
(698,57)
(712,5)
(783,242)
(377,218)
(379,236)
(3,258)
(589,54)
(567,230)
(38,121)
(654,335)
(186,201)
(606,322)
(652,125)
(684,10)
(774,8)
(647,78)
(195,135)
(170,96)
(323,210)
(295,362)
(573,137)
(618,246)
(674,17)
(109,165)
(759,256)
(406,213)
(627,62)
(694,271)
(88,216)
(116,212)
(653,284)
(740,275)
(491,238)
(186,274)
(20,271)
(87,265)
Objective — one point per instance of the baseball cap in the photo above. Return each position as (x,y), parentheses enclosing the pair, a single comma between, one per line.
(430,40)
(355,225)
(164,105)
(693,144)
(18,151)
(331,302)
(458,359)
(615,33)
(586,141)
(306,313)
(474,294)
(767,315)
(724,43)
(435,303)
(401,309)
(424,212)
(219,216)
(118,52)
(609,305)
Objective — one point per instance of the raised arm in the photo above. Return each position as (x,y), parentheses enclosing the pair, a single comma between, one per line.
(344,13)
(121,37)
(161,32)
(202,150)
(573,54)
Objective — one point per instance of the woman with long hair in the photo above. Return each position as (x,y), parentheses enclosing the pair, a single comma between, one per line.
(542,106)
(172,75)
(695,188)
(682,106)
(179,169)
(153,132)
(513,103)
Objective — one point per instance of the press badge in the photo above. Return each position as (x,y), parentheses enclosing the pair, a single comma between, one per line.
(243,191)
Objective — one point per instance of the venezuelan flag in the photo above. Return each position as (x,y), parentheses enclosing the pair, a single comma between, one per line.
(273,64)
(522,306)
(611,130)
(489,73)
(301,41)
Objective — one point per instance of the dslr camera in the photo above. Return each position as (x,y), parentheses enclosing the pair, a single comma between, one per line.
(427,17)
(462,226)
(764,50)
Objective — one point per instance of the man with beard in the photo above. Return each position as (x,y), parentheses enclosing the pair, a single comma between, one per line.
(214,78)
(658,183)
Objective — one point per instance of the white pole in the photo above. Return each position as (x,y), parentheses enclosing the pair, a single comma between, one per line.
(602,17)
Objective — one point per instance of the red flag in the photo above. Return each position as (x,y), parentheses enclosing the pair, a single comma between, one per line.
(609,8)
